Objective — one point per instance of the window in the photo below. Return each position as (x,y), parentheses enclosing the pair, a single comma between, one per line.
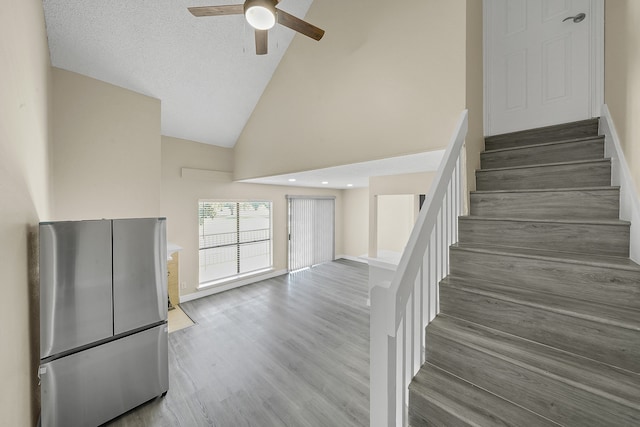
(235,239)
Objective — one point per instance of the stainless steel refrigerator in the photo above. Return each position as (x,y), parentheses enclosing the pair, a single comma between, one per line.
(103,318)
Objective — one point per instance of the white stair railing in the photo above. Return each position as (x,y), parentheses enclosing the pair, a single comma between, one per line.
(401,310)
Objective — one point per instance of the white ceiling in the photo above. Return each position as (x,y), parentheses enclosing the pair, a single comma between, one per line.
(204,70)
(357,175)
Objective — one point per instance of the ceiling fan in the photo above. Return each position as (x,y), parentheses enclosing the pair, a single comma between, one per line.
(261,15)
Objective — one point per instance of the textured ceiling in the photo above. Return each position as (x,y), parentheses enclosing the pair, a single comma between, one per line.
(204,70)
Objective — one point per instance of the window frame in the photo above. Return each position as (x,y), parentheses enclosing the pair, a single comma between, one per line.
(239,242)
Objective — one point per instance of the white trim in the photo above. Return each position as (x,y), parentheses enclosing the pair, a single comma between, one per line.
(621,176)
(360,258)
(212,290)
(486,65)
(596,52)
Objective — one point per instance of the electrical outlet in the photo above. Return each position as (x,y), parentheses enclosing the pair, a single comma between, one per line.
(183,285)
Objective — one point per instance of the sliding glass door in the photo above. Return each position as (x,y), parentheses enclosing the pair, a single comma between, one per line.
(311,231)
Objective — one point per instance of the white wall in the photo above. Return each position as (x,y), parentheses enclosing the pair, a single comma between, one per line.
(25,87)
(106,155)
(180,197)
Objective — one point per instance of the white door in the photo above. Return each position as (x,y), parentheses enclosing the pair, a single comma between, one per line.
(543,62)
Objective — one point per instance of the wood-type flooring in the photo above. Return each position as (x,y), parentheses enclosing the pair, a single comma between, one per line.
(289,351)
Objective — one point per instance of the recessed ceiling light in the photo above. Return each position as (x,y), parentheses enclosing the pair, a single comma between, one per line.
(325,182)
(292,180)
(349,185)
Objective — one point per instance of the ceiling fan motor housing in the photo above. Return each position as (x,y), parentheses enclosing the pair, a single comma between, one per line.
(260,14)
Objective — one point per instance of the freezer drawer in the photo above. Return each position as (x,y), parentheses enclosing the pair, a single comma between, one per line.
(93,386)
(139,273)
(75,285)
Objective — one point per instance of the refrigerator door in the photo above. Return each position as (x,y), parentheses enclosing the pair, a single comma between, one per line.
(75,285)
(139,273)
(91,387)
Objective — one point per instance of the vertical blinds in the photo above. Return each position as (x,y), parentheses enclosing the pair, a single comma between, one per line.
(311,231)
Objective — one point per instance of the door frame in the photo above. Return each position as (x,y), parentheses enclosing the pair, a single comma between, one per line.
(596,66)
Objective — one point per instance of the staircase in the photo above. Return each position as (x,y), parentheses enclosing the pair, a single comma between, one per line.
(539,321)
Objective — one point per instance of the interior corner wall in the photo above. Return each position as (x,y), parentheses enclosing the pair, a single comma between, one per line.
(106,152)
(622,76)
(180,196)
(412,183)
(355,240)
(25,90)
(474,142)
(383,82)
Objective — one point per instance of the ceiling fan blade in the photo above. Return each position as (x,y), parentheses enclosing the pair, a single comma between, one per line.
(262,39)
(299,25)
(232,9)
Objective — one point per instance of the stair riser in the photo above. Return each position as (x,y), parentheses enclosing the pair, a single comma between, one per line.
(599,341)
(592,174)
(565,152)
(426,413)
(562,132)
(587,204)
(589,283)
(599,239)
(529,388)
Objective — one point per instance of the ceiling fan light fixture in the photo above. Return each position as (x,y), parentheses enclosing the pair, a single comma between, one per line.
(260,14)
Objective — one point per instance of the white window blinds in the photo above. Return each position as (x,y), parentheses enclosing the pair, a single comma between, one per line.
(311,231)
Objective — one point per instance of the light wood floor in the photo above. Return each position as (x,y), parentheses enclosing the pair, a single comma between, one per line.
(289,351)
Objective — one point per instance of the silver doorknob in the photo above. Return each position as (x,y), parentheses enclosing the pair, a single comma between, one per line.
(578,18)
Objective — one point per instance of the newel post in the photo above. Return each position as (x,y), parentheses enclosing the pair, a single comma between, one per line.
(382,375)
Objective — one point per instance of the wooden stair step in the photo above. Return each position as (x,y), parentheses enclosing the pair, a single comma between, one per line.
(569,203)
(583,173)
(590,148)
(607,334)
(604,237)
(591,173)
(558,385)
(437,398)
(578,129)
(608,280)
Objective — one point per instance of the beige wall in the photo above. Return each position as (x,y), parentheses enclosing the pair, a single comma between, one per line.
(180,197)
(622,76)
(106,156)
(412,183)
(474,91)
(25,83)
(384,81)
(396,216)
(355,220)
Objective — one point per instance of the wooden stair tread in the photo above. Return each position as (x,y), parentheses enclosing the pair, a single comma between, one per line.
(544,144)
(620,317)
(469,404)
(546,255)
(588,127)
(592,376)
(575,162)
(559,220)
(547,190)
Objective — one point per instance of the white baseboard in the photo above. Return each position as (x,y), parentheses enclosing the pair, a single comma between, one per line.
(232,285)
(353,258)
(621,176)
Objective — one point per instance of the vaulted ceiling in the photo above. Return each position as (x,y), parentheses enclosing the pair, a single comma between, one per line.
(204,70)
